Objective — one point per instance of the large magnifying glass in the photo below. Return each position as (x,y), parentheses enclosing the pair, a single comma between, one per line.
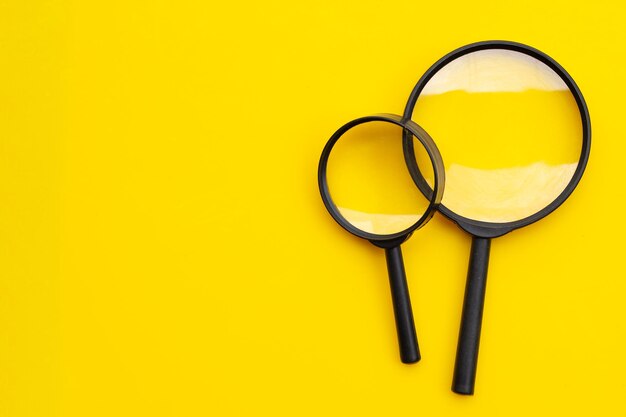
(515,134)
(367,189)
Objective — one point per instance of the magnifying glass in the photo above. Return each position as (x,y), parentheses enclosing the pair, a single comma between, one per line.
(367,189)
(515,134)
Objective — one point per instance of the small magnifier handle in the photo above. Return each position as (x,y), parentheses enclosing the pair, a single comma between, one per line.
(407,339)
(471,320)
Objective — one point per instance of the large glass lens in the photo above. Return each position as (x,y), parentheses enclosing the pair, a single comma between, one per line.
(509,132)
(369,182)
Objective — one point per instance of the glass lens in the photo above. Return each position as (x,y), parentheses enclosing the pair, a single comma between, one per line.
(369,182)
(509,132)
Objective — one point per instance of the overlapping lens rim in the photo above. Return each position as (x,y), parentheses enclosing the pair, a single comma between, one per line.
(410,130)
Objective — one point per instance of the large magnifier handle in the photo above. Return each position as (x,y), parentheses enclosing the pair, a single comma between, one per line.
(471,320)
(407,339)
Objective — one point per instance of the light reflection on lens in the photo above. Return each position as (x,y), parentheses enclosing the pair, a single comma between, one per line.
(369,181)
(509,131)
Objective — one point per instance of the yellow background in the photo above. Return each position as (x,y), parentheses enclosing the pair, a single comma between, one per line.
(164,250)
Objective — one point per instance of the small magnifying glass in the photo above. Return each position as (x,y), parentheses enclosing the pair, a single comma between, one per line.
(515,133)
(366,187)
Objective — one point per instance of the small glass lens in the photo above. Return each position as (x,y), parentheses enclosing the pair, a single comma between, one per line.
(369,181)
(509,132)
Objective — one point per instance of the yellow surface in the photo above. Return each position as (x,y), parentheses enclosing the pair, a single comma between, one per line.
(164,250)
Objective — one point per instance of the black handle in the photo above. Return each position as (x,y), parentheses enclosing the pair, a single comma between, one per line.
(407,339)
(469,335)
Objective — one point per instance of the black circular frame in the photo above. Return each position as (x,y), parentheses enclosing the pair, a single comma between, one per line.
(488,229)
(412,129)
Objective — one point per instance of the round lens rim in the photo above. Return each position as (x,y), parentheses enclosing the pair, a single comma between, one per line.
(489,229)
(410,128)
